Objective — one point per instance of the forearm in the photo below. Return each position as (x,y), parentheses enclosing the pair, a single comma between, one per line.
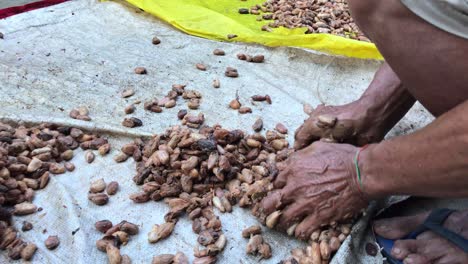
(430,162)
(386,101)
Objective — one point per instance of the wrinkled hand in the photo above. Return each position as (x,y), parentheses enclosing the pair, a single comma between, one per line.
(318,185)
(346,123)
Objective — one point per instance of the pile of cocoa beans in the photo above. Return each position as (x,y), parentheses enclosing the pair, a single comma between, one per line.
(318,16)
(28,157)
(197,171)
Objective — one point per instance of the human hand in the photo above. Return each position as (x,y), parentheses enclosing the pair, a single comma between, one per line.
(349,123)
(317,186)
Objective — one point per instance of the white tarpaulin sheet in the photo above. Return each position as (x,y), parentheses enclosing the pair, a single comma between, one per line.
(84,52)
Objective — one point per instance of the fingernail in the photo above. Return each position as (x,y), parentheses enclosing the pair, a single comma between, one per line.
(396,251)
(408,260)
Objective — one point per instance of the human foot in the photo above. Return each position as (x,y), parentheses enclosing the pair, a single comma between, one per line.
(428,247)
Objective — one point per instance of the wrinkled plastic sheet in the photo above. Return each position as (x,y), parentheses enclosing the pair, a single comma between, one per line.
(84,52)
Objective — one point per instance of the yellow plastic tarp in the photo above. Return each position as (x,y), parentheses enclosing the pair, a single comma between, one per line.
(215,19)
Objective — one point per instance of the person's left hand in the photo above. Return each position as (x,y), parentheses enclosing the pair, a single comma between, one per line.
(317,186)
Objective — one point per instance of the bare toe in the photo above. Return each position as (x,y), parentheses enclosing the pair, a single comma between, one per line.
(416,259)
(398,227)
(402,248)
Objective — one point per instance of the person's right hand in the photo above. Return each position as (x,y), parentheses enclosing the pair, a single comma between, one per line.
(339,124)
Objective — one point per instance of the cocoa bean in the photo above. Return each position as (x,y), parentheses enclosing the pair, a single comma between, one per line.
(24,208)
(216,83)
(127,93)
(52,242)
(112,188)
(69,166)
(129,228)
(103,225)
(132,122)
(200,66)
(245,110)
(140,70)
(252,230)
(28,251)
(113,254)
(156,41)
(98,198)
(89,156)
(258,125)
(26,226)
(160,232)
(219,52)
(163,259)
(130,109)
(97,186)
(180,258)
(272,219)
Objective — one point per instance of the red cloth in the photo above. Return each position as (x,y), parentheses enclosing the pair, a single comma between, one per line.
(28,7)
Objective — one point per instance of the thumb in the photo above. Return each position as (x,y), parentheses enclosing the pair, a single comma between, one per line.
(305,135)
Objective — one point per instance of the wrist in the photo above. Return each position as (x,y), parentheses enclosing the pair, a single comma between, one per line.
(372,185)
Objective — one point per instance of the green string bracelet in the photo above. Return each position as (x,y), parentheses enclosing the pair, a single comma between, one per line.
(356,164)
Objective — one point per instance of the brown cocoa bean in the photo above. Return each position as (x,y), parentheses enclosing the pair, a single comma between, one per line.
(24,208)
(132,122)
(112,188)
(216,83)
(103,225)
(69,166)
(26,226)
(28,251)
(52,242)
(97,186)
(98,198)
(129,228)
(140,70)
(258,125)
(252,230)
(130,109)
(113,254)
(200,66)
(245,110)
(160,232)
(156,41)
(163,259)
(272,219)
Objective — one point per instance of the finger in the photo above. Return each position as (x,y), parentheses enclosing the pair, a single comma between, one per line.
(272,202)
(416,259)
(292,214)
(281,179)
(311,223)
(305,134)
(402,248)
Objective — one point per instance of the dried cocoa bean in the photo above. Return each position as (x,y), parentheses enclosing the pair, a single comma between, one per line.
(112,188)
(98,198)
(245,110)
(132,122)
(103,225)
(97,186)
(52,242)
(156,41)
(163,259)
(140,70)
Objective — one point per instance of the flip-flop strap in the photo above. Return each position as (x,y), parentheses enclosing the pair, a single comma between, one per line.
(434,222)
